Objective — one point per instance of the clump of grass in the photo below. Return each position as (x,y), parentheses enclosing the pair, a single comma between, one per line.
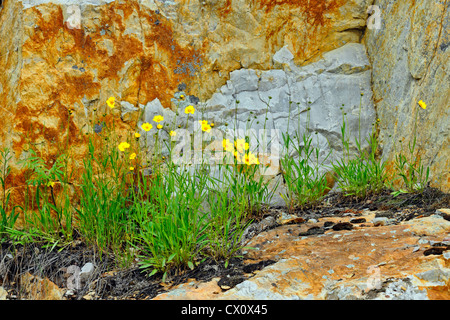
(170,225)
(410,169)
(412,172)
(101,215)
(54,220)
(248,188)
(363,174)
(226,224)
(170,218)
(7,220)
(304,177)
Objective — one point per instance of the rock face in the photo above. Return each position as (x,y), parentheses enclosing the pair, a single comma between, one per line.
(139,51)
(410,62)
(63,59)
(292,99)
(36,288)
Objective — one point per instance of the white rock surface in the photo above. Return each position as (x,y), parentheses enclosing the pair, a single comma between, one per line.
(86,271)
(280,99)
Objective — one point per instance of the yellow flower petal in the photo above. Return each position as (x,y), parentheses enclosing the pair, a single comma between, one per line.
(241,145)
(146,126)
(253,159)
(189,109)
(158,118)
(237,156)
(173,133)
(111,102)
(123,146)
(137,135)
(206,127)
(422,104)
(131,168)
(227,145)
(132,156)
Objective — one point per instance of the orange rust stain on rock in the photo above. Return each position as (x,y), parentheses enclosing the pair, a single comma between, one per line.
(226,9)
(439,292)
(169,64)
(314,10)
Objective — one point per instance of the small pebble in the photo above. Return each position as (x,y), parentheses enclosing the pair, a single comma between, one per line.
(381,221)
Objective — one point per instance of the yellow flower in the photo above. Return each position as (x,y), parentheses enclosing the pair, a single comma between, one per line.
(181,96)
(241,145)
(146,126)
(173,133)
(247,159)
(131,168)
(189,109)
(253,159)
(110,102)
(51,184)
(212,124)
(202,122)
(123,146)
(137,135)
(206,127)
(158,118)
(237,156)
(132,156)
(227,145)
(422,104)
(159,126)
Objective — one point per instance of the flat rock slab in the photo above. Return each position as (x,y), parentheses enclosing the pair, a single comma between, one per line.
(366,262)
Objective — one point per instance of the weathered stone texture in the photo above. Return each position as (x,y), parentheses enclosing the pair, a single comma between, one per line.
(410,62)
(139,51)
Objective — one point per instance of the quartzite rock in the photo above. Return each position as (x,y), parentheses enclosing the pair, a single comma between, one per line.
(381,263)
(139,51)
(411,62)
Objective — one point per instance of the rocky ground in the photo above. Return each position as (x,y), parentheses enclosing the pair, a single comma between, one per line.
(380,248)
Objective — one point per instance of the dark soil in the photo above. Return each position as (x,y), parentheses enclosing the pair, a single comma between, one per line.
(110,282)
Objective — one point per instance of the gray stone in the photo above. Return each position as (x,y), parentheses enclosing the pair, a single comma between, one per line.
(283,56)
(279,99)
(437,276)
(410,62)
(380,221)
(446,255)
(402,289)
(86,271)
(3,293)
(127,107)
